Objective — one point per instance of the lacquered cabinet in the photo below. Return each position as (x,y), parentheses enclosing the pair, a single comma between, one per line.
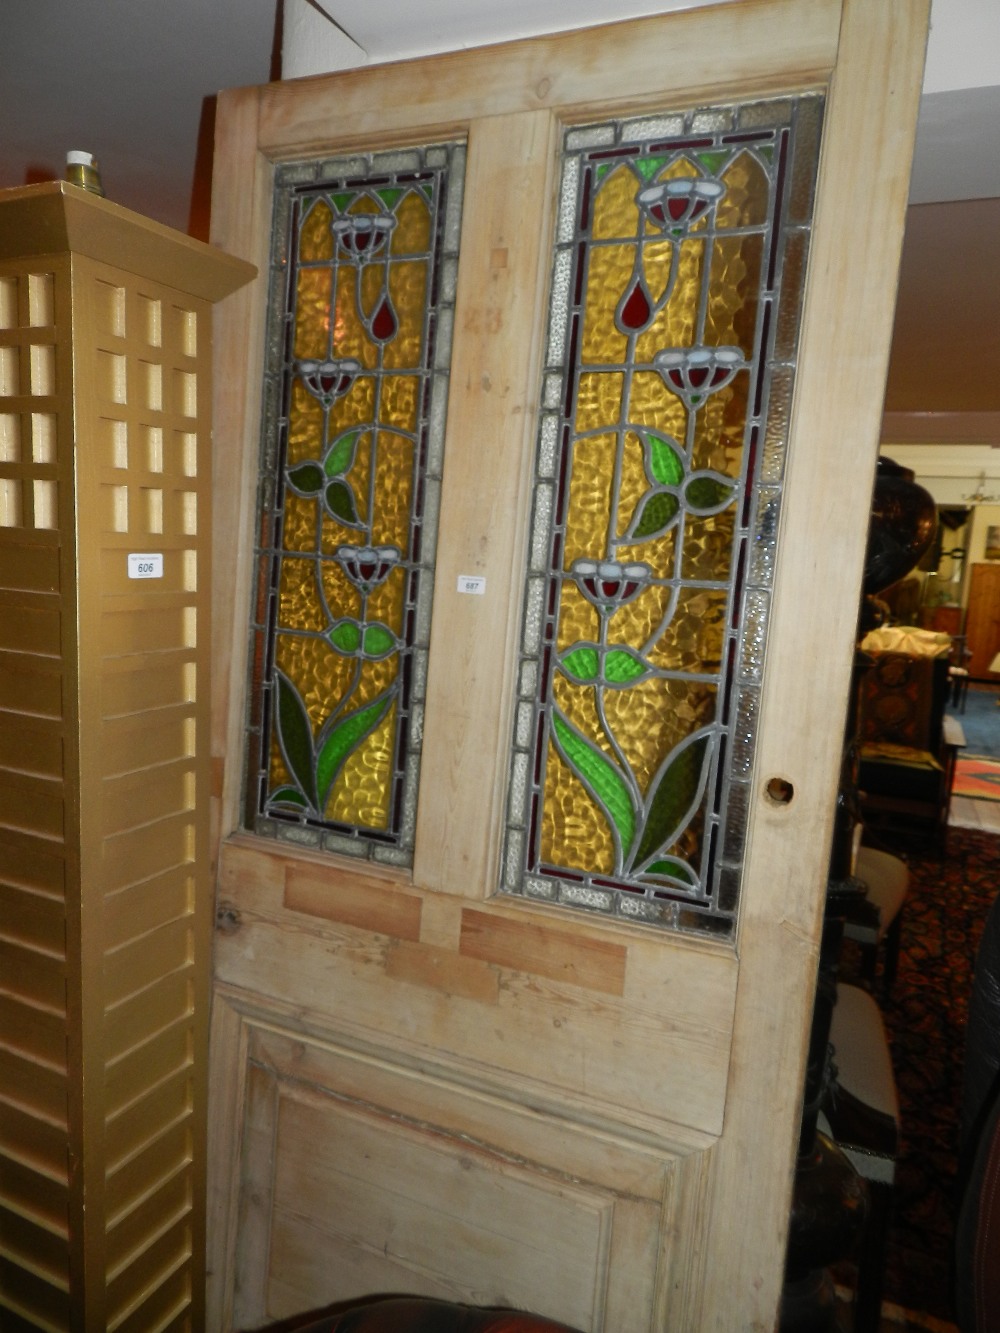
(105,892)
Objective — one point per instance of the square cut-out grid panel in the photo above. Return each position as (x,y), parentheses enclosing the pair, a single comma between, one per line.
(150,403)
(143,420)
(28,401)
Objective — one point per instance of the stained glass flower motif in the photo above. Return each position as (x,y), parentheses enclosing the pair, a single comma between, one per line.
(355,399)
(330,379)
(367,566)
(363,235)
(695,372)
(675,205)
(648,588)
(608,584)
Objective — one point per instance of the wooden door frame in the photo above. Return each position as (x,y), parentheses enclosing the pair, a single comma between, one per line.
(869,58)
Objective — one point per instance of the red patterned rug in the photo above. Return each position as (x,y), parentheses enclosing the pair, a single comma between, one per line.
(925,1016)
(977,777)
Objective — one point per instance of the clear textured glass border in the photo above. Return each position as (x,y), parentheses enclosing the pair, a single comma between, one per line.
(292,179)
(713,910)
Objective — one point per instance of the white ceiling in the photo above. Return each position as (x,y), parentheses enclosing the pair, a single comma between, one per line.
(133,81)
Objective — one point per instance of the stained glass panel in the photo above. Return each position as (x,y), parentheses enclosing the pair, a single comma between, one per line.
(664,423)
(362,286)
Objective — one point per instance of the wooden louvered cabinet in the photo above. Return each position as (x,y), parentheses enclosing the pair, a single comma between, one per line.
(105,894)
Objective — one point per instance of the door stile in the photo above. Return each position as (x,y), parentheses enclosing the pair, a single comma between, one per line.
(241,213)
(832,455)
(507,224)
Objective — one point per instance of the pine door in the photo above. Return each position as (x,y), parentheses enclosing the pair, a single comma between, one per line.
(982,620)
(519,892)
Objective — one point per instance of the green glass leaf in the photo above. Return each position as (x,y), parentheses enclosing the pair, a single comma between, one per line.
(665,461)
(289,796)
(379,640)
(341,453)
(340,502)
(622,666)
(712,161)
(647,167)
(581,664)
(342,200)
(653,515)
(675,869)
(675,797)
(295,734)
(767,152)
(306,478)
(706,492)
(344,737)
(346,637)
(599,775)
(390,196)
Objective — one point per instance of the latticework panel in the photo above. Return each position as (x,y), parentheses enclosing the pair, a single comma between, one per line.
(143,396)
(104,896)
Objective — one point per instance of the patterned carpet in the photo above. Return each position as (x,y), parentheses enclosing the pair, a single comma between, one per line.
(977,777)
(925,1016)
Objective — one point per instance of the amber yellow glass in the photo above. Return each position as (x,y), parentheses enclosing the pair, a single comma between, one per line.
(360,798)
(745,202)
(657,493)
(574,832)
(663,644)
(315,236)
(312,322)
(351,458)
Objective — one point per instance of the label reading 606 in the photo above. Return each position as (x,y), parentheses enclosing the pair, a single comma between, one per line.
(145,566)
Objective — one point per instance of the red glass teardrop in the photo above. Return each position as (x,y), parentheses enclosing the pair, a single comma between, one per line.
(384,323)
(635,310)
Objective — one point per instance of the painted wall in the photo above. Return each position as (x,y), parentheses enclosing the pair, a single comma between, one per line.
(963,51)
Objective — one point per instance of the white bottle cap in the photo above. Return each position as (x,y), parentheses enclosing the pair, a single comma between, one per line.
(76,158)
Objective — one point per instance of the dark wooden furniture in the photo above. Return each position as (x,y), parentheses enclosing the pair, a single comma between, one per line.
(863,1117)
(907,753)
(416,1314)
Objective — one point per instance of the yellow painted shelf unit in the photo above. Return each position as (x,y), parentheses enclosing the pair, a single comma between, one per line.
(105,887)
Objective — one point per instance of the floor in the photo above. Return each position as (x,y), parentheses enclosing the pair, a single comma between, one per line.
(964,813)
(968,813)
(896,1320)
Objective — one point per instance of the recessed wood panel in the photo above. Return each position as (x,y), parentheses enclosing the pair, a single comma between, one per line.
(490,1232)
